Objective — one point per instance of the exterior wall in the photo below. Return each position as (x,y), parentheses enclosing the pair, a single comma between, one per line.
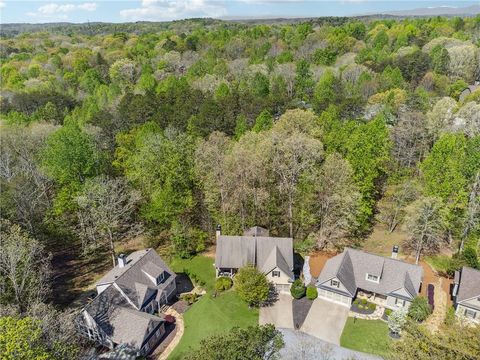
(89,329)
(153,339)
(340,287)
(284,279)
(391,303)
(334,297)
(461,313)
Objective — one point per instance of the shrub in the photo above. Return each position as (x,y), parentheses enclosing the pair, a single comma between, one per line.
(312,292)
(251,285)
(190,298)
(450,316)
(223,283)
(372,306)
(470,257)
(297,289)
(364,301)
(419,310)
(388,312)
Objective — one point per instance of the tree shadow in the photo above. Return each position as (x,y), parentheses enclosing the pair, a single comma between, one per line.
(272,296)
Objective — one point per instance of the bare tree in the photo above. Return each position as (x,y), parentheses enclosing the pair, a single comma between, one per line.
(24,267)
(409,136)
(472,214)
(106,210)
(425,225)
(335,201)
(291,155)
(26,190)
(392,206)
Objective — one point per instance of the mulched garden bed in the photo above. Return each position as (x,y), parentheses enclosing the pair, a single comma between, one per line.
(365,309)
(300,309)
(180,306)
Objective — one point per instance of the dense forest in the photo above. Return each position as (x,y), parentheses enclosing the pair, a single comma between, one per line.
(313,130)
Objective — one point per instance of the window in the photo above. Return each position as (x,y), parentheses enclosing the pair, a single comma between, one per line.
(160,278)
(471,314)
(146,347)
(275,273)
(399,302)
(373,278)
(335,283)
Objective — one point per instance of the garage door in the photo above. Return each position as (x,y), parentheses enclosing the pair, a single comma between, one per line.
(333,296)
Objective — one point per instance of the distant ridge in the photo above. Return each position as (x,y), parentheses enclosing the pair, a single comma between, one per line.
(438,11)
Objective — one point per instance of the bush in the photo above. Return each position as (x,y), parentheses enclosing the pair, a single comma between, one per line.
(372,306)
(470,257)
(419,310)
(388,312)
(223,283)
(297,289)
(450,316)
(190,298)
(364,301)
(312,292)
(252,286)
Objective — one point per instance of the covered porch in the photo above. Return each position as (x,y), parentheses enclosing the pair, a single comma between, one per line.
(224,272)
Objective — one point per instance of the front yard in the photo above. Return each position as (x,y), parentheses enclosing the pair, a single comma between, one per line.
(369,336)
(209,315)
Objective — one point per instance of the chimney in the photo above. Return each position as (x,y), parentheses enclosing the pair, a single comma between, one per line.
(218,232)
(395,251)
(122,260)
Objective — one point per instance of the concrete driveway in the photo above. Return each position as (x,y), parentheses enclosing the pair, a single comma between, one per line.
(279,314)
(326,320)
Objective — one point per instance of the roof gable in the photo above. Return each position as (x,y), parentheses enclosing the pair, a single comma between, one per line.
(352,266)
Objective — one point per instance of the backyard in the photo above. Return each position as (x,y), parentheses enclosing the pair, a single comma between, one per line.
(369,336)
(210,315)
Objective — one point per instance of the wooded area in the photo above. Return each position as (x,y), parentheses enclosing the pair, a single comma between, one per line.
(316,131)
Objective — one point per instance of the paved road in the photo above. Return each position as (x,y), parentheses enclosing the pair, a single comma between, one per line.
(279,314)
(325,320)
(302,346)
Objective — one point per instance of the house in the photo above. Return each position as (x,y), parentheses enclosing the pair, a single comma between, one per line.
(466,293)
(271,255)
(386,281)
(130,296)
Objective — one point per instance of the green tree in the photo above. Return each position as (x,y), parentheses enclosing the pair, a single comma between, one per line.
(260,85)
(251,285)
(325,92)
(70,155)
(264,121)
(440,59)
(303,80)
(253,343)
(21,339)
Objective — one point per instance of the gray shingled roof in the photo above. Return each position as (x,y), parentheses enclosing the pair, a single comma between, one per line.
(469,284)
(120,321)
(235,251)
(133,279)
(264,252)
(256,231)
(352,265)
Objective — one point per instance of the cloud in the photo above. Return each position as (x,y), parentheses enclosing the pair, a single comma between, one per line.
(60,11)
(161,10)
(2,4)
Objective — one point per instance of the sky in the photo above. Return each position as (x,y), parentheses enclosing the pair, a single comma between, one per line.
(78,11)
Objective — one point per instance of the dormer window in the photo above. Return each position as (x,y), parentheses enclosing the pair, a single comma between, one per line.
(275,273)
(335,283)
(372,278)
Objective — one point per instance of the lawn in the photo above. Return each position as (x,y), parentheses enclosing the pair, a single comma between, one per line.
(210,315)
(369,336)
